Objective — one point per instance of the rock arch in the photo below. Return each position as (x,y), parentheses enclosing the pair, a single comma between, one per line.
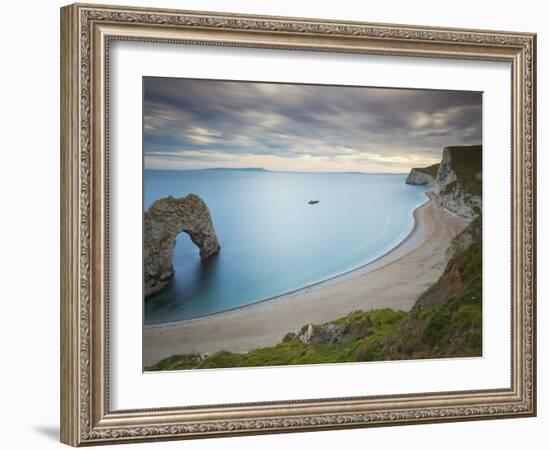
(163,221)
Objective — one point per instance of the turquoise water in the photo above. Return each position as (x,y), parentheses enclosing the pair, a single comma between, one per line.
(272,241)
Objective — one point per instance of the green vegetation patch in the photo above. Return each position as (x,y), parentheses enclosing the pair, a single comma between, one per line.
(466,160)
(430,170)
(452,324)
(292,350)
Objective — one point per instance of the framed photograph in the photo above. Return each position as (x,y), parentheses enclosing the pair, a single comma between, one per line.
(275,224)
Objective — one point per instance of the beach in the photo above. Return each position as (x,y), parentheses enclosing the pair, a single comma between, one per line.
(395,280)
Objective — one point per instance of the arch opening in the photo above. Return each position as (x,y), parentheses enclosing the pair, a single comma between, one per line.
(163,222)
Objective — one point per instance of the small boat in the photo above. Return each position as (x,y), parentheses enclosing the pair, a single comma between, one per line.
(313,202)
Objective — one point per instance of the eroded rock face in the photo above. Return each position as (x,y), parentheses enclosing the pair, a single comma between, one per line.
(452,282)
(332,333)
(445,175)
(423,175)
(458,181)
(163,221)
(417,177)
(460,202)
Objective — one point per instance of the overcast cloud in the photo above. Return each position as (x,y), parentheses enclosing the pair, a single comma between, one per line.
(200,123)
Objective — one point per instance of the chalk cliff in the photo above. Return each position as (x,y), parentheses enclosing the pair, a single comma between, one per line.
(423,175)
(456,180)
(163,221)
(458,183)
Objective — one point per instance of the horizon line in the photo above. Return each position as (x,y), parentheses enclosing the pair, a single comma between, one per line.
(261,169)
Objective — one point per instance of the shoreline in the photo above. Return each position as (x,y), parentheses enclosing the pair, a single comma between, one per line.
(394,279)
(337,277)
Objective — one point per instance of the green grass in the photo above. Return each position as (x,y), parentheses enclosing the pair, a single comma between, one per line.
(453,327)
(177,362)
(466,160)
(293,351)
(430,170)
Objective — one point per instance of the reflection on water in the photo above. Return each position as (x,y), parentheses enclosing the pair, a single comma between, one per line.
(182,288)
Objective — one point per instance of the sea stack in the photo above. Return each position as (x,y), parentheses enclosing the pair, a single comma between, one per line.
(163,221)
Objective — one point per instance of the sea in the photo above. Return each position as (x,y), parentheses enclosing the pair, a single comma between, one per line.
(273,241)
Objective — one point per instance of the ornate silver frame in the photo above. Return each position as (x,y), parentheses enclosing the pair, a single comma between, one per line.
(86,32)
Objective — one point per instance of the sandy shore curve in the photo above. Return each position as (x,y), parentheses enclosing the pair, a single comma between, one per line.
(395,280)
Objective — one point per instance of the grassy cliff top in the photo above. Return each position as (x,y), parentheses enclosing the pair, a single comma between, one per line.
(430,170)
(466,160)
(466,163)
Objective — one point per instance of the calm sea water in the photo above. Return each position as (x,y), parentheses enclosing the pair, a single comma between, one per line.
(272,241)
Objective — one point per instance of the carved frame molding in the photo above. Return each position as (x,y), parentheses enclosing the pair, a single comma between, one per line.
(86,32)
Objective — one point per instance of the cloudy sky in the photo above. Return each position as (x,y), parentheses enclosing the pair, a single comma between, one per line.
(192,124)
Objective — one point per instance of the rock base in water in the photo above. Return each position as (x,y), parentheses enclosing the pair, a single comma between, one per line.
(163,221)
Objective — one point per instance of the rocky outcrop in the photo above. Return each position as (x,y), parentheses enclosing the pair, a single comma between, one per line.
(418,177)
(163,221)
(471,235)
(456,180)
(423,175)
(355,325)
(460,266)
(458,183)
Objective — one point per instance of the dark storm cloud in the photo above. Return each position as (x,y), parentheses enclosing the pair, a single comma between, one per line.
(201,123)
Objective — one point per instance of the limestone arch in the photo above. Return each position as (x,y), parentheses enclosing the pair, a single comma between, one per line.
(163,221)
